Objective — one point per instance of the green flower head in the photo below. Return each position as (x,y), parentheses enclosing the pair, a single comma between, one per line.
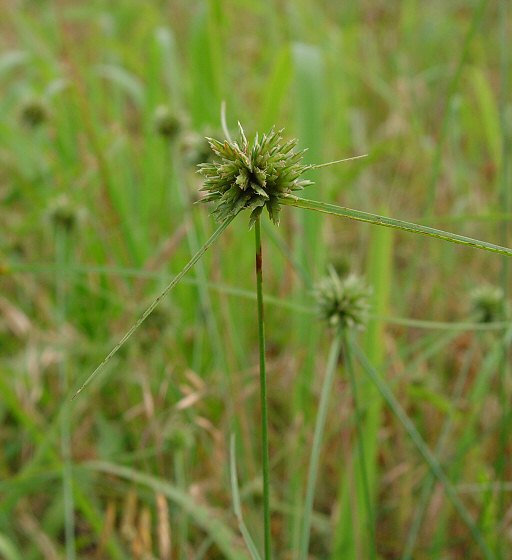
(343,303)
(252,175)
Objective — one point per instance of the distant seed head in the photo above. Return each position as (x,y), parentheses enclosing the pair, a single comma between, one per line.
(252,175)
(489,304)
(63,213)
(343,303)
(166,123)
(33,113)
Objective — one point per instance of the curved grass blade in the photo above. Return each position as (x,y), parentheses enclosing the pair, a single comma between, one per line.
(155,302)
(220,533)
(8,549)
(376,219)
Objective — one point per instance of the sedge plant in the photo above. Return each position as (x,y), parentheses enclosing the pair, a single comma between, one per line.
(265,173)
(344,305)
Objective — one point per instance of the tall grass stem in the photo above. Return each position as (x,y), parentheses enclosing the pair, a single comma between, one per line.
(263,393)
(62,251)
(349,367)
(314,459)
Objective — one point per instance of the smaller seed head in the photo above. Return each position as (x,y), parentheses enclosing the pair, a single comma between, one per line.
(181,439)
(166,123)
(63,213)
(343,303)
(489,304)
(33,113)
(252,175)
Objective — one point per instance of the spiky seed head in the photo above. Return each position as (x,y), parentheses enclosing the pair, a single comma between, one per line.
(343,303)
(488,304)
(252,175)
(33,112)
(166,123)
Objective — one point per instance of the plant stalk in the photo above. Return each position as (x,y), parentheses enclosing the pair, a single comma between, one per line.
(263,393)
(314,460)
(370,519)
(62,250)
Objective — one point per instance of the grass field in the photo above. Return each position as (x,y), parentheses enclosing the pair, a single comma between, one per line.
(104,110)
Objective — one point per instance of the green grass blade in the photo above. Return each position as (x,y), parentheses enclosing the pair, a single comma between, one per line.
(8,550)
(215,235)
(310,93)
(378,220)
(277,84)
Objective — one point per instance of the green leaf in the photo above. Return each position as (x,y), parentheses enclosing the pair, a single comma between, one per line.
(291,200)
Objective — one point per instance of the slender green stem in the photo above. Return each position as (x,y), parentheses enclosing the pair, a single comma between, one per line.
(62,243)
(263,392)
(505,198)
(155,302)
(376,219)
(426,453)
(349,367)
(314,459)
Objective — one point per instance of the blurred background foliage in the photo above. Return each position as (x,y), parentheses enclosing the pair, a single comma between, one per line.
(104,107)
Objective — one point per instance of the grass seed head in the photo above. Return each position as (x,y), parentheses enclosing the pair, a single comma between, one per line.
(34,112)
(64,213)
(166,123)
(252,175)
(343,303)
(489,304)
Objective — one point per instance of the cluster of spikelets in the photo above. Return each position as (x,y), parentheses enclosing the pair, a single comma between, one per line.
(343,302)
(252,175)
